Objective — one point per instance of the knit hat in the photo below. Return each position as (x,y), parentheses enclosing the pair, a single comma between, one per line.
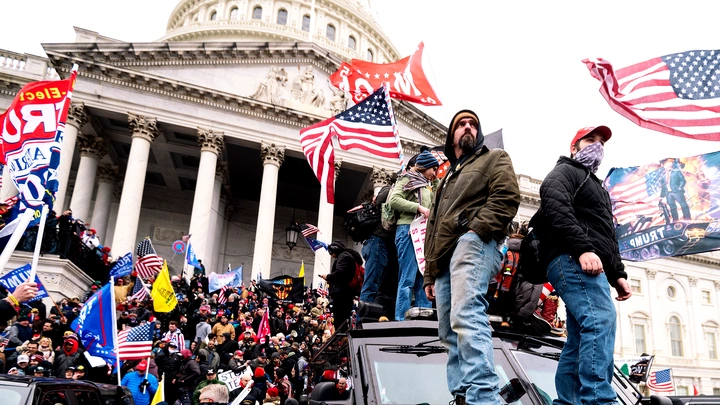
(426,160)
(186,353)
(272,392)
(449,148)
(462,115)
(259,372)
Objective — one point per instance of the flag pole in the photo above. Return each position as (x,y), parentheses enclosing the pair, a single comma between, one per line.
(114,327)
(147,369)
(23,223)
(38,243)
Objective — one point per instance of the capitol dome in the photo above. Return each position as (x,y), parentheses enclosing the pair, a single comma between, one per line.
(346,27)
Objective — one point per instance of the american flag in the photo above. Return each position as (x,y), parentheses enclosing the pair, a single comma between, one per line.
(678,94)
(308,229)
(139,291)
(148,262)
(222,298)
(369,125)
(322,291)
(135,343)
(639,199)
(661,381)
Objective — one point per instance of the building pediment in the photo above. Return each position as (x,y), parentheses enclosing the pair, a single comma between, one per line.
(278,81)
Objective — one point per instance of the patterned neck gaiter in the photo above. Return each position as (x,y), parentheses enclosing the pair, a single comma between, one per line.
(591,156)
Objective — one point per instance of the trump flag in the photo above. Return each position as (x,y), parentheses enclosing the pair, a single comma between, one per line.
(95,326)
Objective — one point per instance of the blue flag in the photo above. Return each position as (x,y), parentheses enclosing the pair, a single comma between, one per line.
(94,325)
(123,266)
(316,244)
(190,257)
(238,280)
(19,276)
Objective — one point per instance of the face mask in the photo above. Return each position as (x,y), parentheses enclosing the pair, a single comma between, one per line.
(591,156)
(171,351)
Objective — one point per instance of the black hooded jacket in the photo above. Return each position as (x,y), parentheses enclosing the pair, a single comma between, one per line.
(342,272)
(576,225)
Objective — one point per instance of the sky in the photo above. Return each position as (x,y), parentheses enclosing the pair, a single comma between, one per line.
(517,64)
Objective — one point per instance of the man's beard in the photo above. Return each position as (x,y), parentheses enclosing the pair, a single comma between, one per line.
(467,142)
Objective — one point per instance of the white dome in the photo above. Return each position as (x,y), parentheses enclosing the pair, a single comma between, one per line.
(351,22)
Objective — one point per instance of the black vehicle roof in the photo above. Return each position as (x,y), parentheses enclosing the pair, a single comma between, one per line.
(25,381)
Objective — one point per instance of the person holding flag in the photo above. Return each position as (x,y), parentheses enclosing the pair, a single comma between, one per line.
(142,385)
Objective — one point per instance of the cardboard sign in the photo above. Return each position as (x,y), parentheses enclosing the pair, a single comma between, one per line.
(417,234)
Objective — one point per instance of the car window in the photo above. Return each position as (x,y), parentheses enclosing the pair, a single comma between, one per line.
(12,396)
(505,373)
(541,371)
(54,398)
(87,397)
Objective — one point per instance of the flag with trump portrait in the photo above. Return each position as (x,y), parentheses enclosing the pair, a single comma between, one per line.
(667,208)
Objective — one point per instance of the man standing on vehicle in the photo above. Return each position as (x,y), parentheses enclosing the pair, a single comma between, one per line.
(577,236)
(474,205)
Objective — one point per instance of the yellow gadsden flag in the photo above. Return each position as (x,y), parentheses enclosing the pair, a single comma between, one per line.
(302,270)
(162,293)
(160,393)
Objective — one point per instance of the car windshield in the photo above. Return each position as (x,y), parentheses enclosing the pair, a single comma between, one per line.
(541,371)
(405,378)
(13,395)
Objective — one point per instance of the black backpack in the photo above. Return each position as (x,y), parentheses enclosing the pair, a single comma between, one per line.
(360,224)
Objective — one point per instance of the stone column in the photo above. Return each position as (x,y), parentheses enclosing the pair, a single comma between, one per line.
(326,212)
(215,212)
(77,118)
(219,225)
(8,188)
(272,157)
(211,144)
(107,175)
(144,131)
(381,177)
(92,149)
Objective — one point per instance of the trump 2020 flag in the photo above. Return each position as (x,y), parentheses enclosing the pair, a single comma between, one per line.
(190,257)
(32,134)
(94,325)
(677,94)
(123,266)
(667,208)
(18,276)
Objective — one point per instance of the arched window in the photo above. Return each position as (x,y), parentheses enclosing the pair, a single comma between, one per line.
(676,343)
(282,17)
(257,13)
(330,32)
(306,23)
(213,16)
(370,55)
(234,13)
(351,42)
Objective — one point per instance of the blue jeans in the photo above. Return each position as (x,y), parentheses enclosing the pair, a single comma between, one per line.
(375,254)
(585,371)
(409,278)
(463,323)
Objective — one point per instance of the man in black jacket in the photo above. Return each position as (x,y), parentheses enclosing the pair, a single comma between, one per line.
(343,270)
(577,236)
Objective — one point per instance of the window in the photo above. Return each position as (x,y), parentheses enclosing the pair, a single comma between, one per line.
(306,23)
(55,398)
(671,292)
(706,297)
(639,331)
(681,390)
(676,344)
(257,13)
(635,286)
(282,17)
(351,42)
(87,397)
(234,13)
(213,16)
(330,32)
(716,391)
(711,340)
(369,56)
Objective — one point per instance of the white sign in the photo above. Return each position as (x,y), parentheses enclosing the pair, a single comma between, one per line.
(417,234)
(230,379)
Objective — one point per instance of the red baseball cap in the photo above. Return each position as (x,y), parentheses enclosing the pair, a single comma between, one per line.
(602,130)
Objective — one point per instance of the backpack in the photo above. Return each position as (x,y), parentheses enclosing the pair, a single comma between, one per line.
(358,278)
(389,217)
(360,224)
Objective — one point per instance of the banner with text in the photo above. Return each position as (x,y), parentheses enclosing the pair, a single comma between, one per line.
(19,276)
(635,368)
(417,234)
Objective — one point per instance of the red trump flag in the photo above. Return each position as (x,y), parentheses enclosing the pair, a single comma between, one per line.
(406,79)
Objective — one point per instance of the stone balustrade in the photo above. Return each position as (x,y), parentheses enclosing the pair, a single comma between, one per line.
(29,66)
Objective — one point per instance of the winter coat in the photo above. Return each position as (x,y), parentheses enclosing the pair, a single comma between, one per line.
(189,374)
(343,270)
(406,202)
(219,329)
(18,334)
(133,380)
(575,217)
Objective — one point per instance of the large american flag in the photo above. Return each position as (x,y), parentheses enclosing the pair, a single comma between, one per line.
(638,199)
(369,126)
(660,381)
(135,343)
(148,262)
(678,94)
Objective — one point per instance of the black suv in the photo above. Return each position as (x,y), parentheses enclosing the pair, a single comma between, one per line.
(26,390)
(404,363)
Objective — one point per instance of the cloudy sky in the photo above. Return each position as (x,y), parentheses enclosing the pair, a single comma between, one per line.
(516,63)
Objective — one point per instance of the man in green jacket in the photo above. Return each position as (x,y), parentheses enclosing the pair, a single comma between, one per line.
(474,205)
(211,379)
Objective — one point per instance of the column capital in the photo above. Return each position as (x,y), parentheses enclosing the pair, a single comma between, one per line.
(107,173)
(91,146)
(338,164)
(77,115)
(143,127)
(272,154)
(211,141)
(381,176)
